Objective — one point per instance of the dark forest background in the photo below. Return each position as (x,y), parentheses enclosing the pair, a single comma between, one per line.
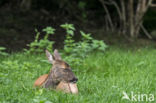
(19,18)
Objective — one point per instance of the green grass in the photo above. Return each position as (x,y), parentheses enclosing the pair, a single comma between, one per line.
(102,77)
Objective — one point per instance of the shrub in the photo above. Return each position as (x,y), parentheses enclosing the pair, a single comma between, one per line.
(79,50)
(69,42)
(42,44)
(2,49)
(73,51)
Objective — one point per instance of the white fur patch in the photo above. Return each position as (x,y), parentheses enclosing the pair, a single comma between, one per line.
(50,58)
(73,88)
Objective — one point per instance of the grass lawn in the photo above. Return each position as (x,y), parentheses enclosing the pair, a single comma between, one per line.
(103,77)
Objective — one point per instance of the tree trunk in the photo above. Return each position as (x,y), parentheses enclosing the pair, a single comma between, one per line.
(130,15)
(108,14)
(131,18)
(123,17)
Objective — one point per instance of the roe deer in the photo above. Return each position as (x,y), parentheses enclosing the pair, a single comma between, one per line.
(60,77)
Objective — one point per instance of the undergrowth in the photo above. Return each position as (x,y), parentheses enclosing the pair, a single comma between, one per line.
(73,51)
(102,77)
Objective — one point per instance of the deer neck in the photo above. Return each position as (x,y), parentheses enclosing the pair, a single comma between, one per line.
(50,82)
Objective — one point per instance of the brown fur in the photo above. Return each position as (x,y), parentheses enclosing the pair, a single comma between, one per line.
(41,80)
(60,75)
(61,64)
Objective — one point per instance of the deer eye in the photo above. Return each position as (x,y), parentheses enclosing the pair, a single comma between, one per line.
(67,70)
(67,65)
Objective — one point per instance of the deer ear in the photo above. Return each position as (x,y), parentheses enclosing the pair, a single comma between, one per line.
(57,55)
(49,56)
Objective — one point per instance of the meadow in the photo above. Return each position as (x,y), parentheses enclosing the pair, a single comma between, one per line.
(103,77)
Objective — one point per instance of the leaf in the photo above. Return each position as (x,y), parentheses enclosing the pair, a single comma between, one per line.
(49,30)
(2,48)
(70,32)
(86,36)
(2,51)
(68,26)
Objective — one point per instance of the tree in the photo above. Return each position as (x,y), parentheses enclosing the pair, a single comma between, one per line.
(130,15)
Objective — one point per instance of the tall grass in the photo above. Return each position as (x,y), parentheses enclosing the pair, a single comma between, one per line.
(102,77)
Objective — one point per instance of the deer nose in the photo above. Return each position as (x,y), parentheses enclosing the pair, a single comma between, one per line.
(74,80)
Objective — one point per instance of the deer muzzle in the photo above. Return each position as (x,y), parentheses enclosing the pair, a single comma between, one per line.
(67,87)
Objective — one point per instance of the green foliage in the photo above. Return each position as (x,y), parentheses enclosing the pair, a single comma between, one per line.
(102,77)
(38,98)
(79,50)
(39,45)
(48,30)
(88,44)
(2,49)
(69,28)
(74,51)
(69,41)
